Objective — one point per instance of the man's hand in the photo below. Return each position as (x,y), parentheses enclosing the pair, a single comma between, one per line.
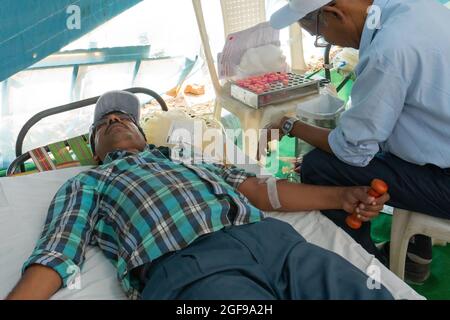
(270,129)
(356,199)
(315,136)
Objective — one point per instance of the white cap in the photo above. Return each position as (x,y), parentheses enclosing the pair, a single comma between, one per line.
(294,11)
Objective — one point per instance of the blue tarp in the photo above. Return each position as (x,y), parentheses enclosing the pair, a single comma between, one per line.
(33,29)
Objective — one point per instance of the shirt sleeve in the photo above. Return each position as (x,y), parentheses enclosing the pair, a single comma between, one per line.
(378,97)
(67,231)
(232,175)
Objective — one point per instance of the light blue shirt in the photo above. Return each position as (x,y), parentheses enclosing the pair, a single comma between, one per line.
(401,97)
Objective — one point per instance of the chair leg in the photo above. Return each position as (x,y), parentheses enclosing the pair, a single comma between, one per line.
(399,242)
(217,110)
(438,242)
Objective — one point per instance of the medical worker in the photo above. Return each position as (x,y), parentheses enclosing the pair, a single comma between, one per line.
(397,128)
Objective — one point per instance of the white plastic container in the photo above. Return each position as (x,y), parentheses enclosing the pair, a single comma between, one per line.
(323,111)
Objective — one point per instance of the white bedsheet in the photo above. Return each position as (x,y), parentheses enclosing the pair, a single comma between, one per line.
(24,202)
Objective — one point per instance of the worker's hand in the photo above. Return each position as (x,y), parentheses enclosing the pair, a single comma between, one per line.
(356,199)
(266,136)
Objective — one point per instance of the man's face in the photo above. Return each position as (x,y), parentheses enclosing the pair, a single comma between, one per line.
(339,23)
(117,131)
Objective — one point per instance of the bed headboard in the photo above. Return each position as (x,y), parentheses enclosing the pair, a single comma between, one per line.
(41,153)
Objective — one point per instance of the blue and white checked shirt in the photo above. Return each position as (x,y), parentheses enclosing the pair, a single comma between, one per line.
(401,98)
(137,207)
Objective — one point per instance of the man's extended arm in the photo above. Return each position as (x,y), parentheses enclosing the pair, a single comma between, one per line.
(303,197)
(37,283)
(295,197)
(63,242)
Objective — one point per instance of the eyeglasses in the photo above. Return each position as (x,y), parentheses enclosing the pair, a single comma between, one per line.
(320,41)
(308,21)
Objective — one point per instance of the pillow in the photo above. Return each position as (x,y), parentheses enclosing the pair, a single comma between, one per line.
(169,128)
(157,125)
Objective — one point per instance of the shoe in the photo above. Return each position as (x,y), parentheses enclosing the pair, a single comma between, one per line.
(420,249)
(417,264)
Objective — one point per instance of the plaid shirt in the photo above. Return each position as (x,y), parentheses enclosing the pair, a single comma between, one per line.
(137,207)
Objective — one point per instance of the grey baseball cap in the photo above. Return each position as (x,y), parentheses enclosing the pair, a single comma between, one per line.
(117,100)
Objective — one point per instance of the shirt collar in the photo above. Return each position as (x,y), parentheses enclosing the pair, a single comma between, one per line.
(120,154)
(369,32)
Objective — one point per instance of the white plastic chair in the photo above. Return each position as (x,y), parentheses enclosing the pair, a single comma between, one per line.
(406,224)
(239,15)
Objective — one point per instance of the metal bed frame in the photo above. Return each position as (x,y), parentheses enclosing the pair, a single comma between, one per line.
(22,157)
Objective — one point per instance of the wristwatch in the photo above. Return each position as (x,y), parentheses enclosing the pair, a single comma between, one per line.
(288,125)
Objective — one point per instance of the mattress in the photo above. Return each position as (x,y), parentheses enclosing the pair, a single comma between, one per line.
(24,201)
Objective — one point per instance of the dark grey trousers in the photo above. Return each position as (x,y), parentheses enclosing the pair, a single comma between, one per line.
(264,261)
(424,189)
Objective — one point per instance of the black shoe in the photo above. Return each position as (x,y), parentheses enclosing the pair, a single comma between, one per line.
(417,264)
(420,249)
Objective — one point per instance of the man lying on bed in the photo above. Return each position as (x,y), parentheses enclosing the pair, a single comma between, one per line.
(181,231)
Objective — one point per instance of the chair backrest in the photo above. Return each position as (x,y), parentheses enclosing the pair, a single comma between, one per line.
(242,14)
(68,153)
(239,15)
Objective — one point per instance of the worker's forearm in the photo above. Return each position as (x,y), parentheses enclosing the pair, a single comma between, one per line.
(293,196)
(37,283)
(315,136)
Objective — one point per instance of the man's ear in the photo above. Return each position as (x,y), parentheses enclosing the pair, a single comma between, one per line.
(335,11)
